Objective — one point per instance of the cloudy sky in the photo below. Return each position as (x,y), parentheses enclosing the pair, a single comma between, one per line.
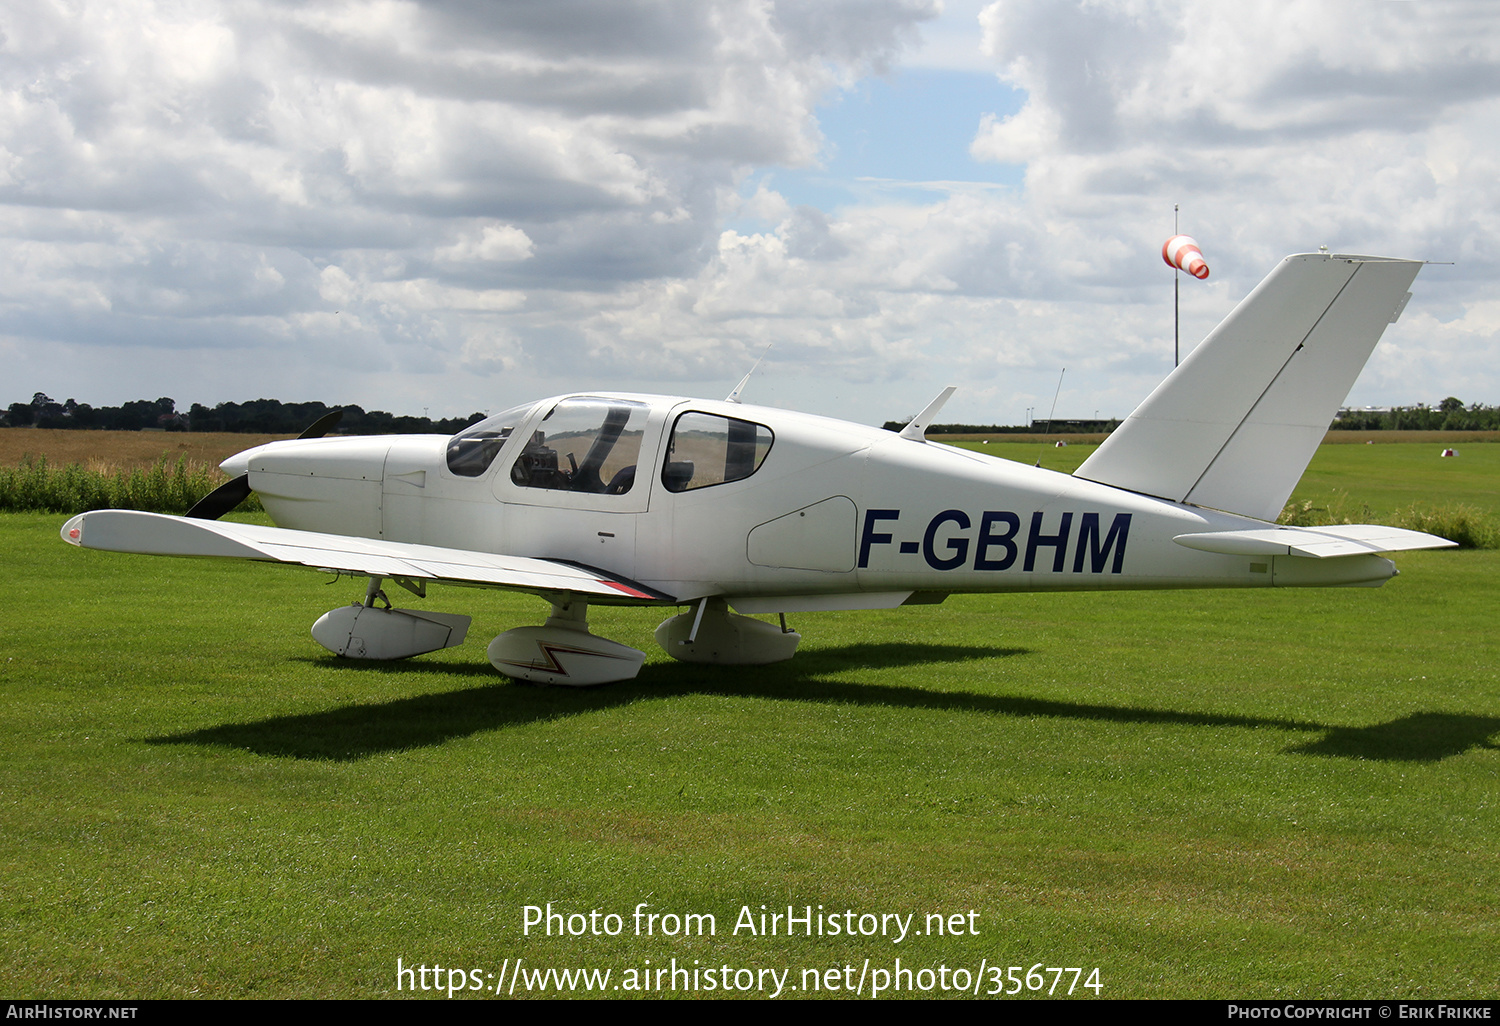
(454,205)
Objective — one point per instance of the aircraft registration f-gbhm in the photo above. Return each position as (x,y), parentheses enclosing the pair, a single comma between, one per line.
(733,511)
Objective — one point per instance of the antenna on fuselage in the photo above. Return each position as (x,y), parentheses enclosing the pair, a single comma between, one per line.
(1049,416)
(916,428)
(734,395)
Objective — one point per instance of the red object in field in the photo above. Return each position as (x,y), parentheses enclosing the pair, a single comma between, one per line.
(1182,252)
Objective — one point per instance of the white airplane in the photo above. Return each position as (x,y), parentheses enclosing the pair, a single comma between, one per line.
(734,511)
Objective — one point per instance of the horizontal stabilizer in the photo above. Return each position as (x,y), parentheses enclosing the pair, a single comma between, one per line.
(1235,425)
(1319,542)
(119,530)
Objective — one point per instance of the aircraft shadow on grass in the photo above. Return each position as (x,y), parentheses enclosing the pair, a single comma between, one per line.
(359,731)
(1420,737)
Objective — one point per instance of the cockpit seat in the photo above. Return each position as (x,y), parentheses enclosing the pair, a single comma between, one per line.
(621,482)
(677,474)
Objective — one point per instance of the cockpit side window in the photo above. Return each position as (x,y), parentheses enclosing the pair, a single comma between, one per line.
(472,450)
(584,445)
(709,450)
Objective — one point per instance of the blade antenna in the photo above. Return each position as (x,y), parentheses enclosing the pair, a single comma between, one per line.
(916,428)
(1048,429)
(734,395)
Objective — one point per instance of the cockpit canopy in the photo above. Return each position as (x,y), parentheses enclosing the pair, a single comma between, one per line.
(593,444)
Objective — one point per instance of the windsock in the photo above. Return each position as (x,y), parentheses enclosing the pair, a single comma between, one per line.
(1182,252)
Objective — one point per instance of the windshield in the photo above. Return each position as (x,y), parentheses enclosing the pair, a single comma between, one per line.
(472,450)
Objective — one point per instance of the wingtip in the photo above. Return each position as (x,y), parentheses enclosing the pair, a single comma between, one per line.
(72,531)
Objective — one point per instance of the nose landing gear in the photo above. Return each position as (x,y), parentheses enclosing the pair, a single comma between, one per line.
(365,630)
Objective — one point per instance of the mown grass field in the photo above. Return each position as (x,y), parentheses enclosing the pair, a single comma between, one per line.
(1212,794)
(1358,483)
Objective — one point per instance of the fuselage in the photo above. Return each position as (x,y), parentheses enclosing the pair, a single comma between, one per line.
(776,511)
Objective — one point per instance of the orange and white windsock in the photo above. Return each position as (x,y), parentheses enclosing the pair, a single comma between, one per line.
(1182,252)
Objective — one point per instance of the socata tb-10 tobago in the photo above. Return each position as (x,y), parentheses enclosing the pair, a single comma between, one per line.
(654,500)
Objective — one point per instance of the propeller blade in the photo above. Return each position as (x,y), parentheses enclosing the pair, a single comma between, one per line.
(222,499)
(323,425)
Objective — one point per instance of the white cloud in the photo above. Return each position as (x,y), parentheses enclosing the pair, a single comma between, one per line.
(501,243)
(408,169)
(445,199)
(489,352)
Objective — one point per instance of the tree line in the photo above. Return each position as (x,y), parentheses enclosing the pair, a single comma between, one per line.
(273,417)
(1449,415)
(258,416)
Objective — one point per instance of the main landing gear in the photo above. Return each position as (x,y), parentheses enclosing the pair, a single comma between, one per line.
(712,634)
(562,651)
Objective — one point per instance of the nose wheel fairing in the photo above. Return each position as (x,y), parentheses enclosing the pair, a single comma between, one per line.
(366,630)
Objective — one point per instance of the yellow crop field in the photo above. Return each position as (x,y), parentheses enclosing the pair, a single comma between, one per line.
(111,451)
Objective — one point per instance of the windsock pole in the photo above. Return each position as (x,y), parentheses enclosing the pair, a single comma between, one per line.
(1176,302)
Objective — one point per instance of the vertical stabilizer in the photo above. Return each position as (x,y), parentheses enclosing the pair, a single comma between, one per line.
(1234,427)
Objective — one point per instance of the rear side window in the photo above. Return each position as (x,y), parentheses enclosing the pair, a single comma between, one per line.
(707,450)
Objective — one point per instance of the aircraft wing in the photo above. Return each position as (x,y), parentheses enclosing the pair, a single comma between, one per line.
(119,530)
(1318,542)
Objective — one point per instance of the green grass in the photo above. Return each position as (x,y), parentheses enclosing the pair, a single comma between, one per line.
(1384,477)
(1404,484)
(1289,793)
(1387,478)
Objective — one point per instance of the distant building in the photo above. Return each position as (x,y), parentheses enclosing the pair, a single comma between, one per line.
(1074,427)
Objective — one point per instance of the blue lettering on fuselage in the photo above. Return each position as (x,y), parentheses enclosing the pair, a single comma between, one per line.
(946,543)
